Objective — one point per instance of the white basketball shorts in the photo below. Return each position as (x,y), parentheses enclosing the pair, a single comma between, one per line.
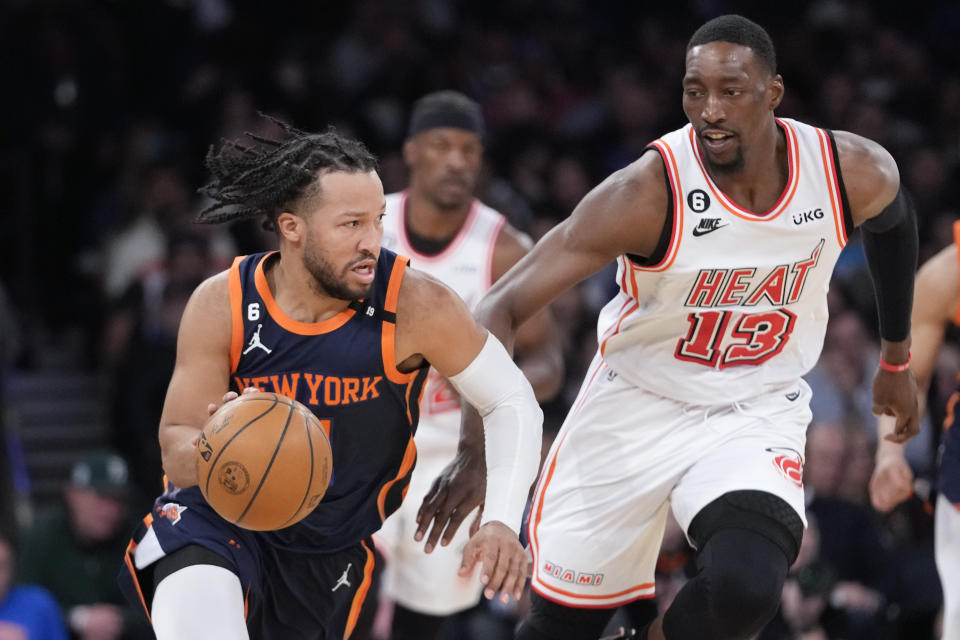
(625,456)
(426,583)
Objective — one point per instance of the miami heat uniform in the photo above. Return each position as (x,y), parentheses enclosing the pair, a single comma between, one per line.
(429,583)
(696,388)
(307,580)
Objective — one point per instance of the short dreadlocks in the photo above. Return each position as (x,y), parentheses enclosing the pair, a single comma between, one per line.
(265,180)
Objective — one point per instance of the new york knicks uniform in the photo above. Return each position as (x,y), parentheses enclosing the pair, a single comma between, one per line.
(696,388)
(429,583)
(947,513)
(308,580)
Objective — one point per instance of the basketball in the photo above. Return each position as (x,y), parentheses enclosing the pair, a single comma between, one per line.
(264,461)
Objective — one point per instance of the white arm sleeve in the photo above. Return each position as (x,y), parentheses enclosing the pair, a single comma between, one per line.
(512,427)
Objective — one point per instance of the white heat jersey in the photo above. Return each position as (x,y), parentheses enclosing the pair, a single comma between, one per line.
(465,266)
(737,307)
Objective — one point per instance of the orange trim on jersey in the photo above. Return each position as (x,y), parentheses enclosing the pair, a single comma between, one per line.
(409,458)
(361,594)
(633,279)
(536,509)
(793,178)
(826,157)
(451,248)
(956,241)
(670,164)
(393,287)
(288,323)
(610,330)
(951,407)
(128,562)
(582,605)
(236,313)
(616,330)
(388,335)
(605,605)
(492,249)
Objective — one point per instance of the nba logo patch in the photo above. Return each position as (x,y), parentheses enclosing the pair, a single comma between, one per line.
(789,463)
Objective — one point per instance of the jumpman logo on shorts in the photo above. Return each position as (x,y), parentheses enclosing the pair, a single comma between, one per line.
(255,342)
(343,579)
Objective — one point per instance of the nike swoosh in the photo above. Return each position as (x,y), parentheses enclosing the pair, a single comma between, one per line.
(702,232)
(793,396)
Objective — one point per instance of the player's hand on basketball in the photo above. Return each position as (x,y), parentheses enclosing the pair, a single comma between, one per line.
(504,565)
(459,488)
(891,482)
(227,397)
(895,394)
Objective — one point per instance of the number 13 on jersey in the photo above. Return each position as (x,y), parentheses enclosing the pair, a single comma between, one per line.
(751,338)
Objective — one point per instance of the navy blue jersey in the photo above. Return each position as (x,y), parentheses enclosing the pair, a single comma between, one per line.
(344,370)
(949,454)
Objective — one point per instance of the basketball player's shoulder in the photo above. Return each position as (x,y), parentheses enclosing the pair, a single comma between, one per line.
(869,172)
(625,212)
(209,304)
(938,286)
(510,245)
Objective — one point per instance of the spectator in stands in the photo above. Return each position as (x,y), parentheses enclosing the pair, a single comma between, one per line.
(27,612)
(73,552)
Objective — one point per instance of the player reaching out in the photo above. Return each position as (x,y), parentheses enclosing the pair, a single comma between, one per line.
(725,232)
(348,330)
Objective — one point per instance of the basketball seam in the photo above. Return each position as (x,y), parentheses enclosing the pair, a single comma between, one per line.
(213,465)
(306,494)
(266,471)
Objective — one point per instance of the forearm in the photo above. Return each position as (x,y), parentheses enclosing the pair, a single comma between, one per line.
(886,448)
(178,444)
(512,423)
(890,244)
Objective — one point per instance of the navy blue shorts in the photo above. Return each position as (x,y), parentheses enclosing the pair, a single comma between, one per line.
(289,594)
(949,480)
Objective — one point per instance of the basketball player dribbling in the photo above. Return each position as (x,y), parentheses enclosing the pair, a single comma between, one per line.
(726,232)
(935,307)
(348,330)
(466,245)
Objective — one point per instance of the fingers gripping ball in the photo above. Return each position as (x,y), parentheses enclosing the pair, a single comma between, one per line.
(264,461)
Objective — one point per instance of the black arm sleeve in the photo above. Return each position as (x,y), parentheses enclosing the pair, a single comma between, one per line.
(890,243)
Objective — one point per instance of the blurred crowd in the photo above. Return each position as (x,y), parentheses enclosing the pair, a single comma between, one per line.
(112,105)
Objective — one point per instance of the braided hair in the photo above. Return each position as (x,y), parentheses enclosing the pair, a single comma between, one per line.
(266,179)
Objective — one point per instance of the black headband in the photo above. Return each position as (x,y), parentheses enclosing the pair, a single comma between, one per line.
(437,116)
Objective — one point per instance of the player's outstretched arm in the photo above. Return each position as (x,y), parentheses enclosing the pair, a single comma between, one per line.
(539,355)
(934,307)
(200,377)
(888,223)
(624,214)
(433,323)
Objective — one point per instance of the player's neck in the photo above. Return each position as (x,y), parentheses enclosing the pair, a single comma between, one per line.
(427,220)
(293,289)
(755,186)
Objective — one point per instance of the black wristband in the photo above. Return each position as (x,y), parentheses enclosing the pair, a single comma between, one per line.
(890,243)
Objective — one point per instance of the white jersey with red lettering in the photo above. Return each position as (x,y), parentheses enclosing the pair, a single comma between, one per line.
(696,389)
(429,583)
(737,307)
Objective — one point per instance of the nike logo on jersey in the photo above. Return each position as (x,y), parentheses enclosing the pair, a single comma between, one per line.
(793,395)
(708,225)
